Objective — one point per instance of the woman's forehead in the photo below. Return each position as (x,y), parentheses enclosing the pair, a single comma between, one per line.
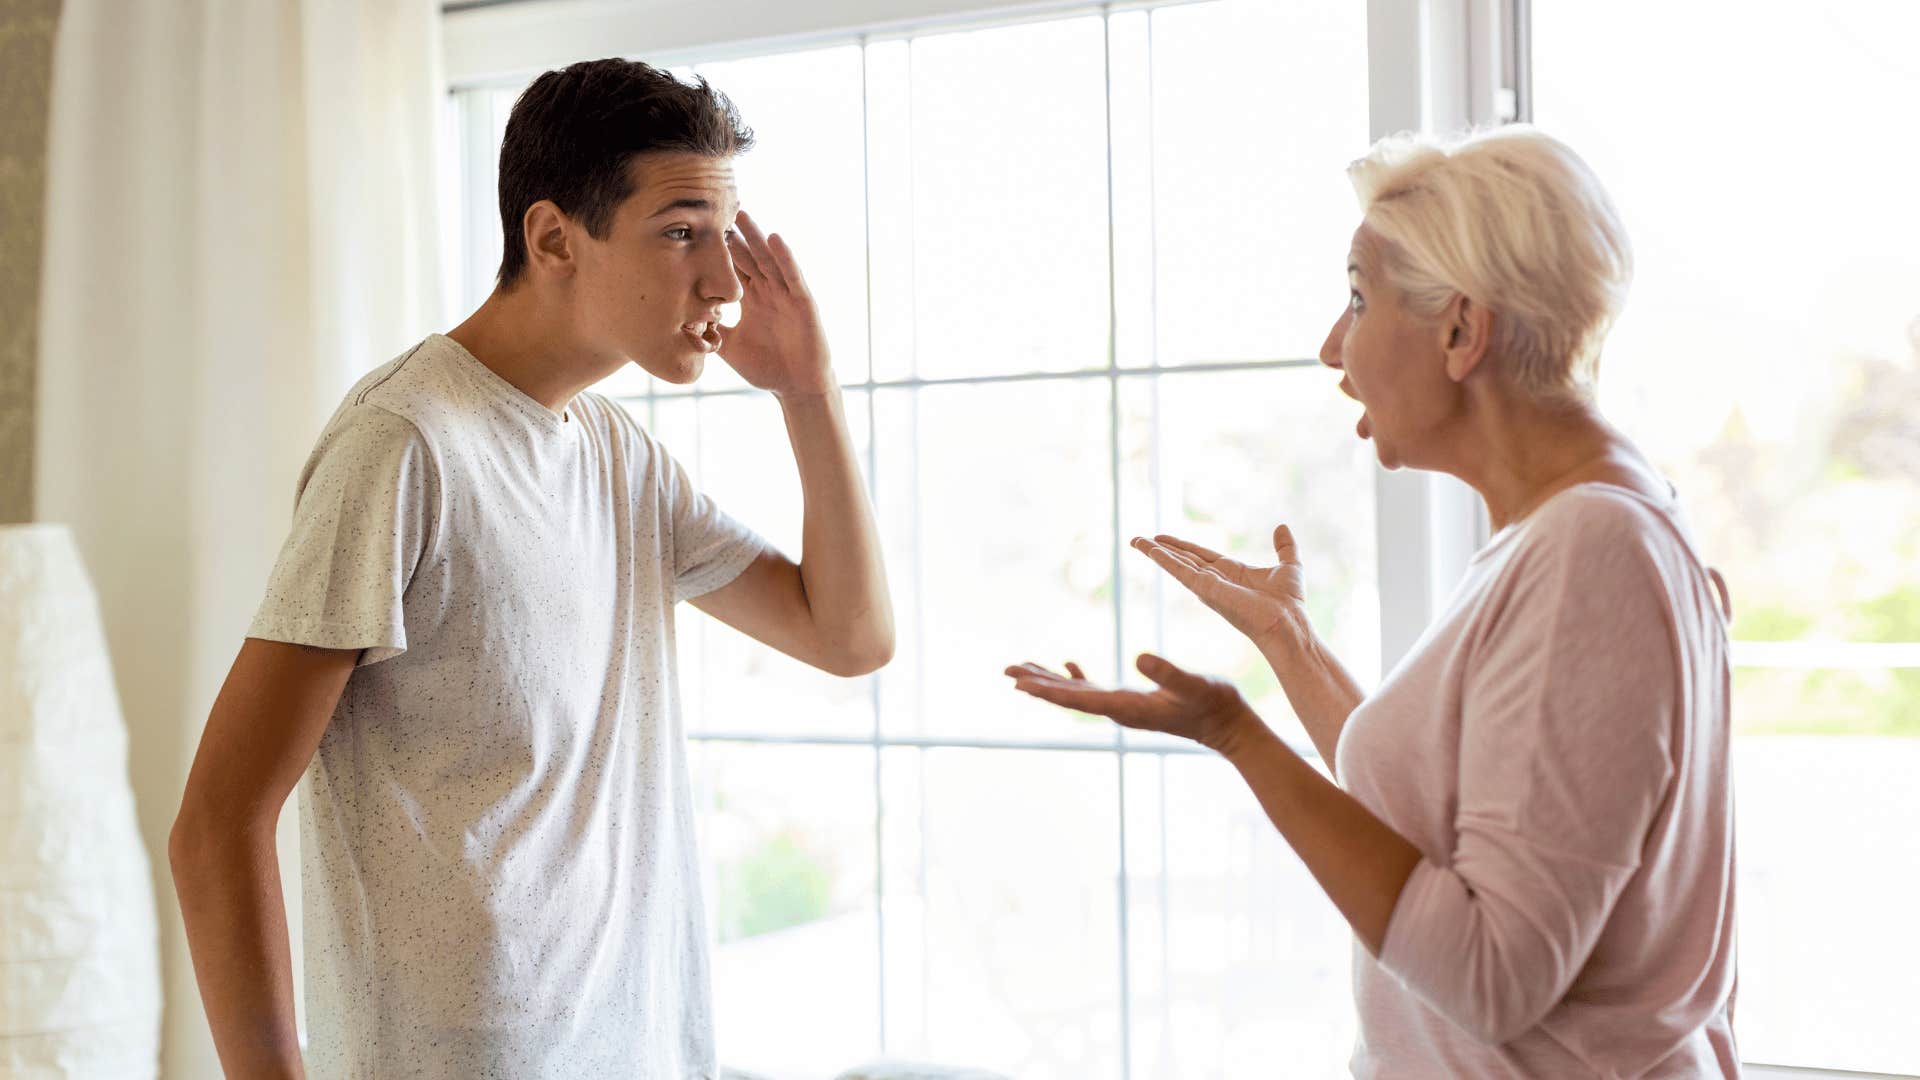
(1363,252)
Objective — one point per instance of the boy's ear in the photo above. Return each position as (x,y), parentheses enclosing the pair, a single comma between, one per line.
(547,235)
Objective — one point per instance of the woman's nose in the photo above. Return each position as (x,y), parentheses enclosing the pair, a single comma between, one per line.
(1330,348)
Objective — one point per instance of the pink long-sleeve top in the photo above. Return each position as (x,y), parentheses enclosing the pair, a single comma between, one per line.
(1556,746)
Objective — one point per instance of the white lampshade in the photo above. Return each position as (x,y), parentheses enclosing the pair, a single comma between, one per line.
(79,952)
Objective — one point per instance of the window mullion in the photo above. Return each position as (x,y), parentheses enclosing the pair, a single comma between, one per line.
(1122,898)
(873,681)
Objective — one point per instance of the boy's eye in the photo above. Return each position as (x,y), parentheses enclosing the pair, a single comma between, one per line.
(680,232)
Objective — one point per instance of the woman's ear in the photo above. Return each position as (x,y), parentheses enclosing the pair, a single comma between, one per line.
(1466,328)
(545,232)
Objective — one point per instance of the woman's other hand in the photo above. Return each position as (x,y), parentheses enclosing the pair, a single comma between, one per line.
(1262,602)
(1207,710)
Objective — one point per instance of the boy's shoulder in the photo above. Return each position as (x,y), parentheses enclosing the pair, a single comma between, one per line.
(412,386)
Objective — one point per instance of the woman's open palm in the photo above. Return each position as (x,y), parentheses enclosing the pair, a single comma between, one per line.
(1208,710)
(1258,601)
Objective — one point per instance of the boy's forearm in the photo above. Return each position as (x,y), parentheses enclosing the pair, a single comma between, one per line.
(840,561)
(228,883)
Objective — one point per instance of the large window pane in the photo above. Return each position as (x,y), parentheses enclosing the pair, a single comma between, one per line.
(746,464)
(1001,920)
(804,180)
(1257,107)
(788,844)
(1769,359)
(1012,521)
(1010,199)
(1770,353)
(1239,962)
(1828,858)
(485,114)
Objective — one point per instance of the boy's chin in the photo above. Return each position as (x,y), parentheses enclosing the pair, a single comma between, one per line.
(679,370)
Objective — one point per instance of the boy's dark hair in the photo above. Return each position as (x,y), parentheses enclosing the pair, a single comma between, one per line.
(575,132)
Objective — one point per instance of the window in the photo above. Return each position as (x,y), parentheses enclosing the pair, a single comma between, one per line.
(1043,253)
(1770,360)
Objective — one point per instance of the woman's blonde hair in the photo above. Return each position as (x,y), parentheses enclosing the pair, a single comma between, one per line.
(1512,219)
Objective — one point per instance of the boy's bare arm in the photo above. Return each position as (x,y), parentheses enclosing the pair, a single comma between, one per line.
(265,726)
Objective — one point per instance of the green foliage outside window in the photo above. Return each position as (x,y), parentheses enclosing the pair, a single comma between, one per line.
(781,883)
(1819,535)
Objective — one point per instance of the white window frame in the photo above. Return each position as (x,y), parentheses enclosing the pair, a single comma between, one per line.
(1433,65)
(1423,74)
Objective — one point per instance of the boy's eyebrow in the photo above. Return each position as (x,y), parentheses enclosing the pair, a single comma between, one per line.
(684,204)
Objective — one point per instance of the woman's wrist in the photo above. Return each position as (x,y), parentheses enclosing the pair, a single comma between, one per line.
(1290,646)
(1241,734)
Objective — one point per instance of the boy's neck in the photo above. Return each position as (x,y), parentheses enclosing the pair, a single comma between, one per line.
(526,342)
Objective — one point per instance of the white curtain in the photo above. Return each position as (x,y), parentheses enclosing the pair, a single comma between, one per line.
(242,216)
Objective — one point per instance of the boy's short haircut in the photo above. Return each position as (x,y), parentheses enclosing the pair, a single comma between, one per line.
(573,136)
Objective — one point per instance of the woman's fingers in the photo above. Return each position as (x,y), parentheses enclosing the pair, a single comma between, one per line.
(1203,581)
(1075,678)
(1188,546)
(1164,555)
(1074,691)
(1075,695)
(1163,672)
(1181,570)
(1064,694)
(1283,544)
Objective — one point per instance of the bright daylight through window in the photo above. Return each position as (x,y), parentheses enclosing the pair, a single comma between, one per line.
(1074,273)
(1769,359)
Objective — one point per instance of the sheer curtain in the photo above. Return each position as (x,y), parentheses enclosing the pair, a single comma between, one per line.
(242,216)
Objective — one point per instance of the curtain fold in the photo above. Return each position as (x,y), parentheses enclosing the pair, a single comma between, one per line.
(243,215)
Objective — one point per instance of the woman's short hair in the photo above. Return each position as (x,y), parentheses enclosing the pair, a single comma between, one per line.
(1510,218)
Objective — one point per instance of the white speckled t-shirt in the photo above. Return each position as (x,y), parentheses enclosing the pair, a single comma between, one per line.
(497,834)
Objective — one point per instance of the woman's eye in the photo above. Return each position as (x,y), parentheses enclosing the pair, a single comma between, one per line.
(1353,300)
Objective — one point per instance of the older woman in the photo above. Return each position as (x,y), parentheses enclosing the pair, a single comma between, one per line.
(1532,833)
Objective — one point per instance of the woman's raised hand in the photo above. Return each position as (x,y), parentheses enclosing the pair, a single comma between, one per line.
(1207,710)
(1259,601)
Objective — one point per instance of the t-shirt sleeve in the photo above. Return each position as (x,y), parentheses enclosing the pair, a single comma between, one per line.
(1566,757)
(709,546)
(365,513)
